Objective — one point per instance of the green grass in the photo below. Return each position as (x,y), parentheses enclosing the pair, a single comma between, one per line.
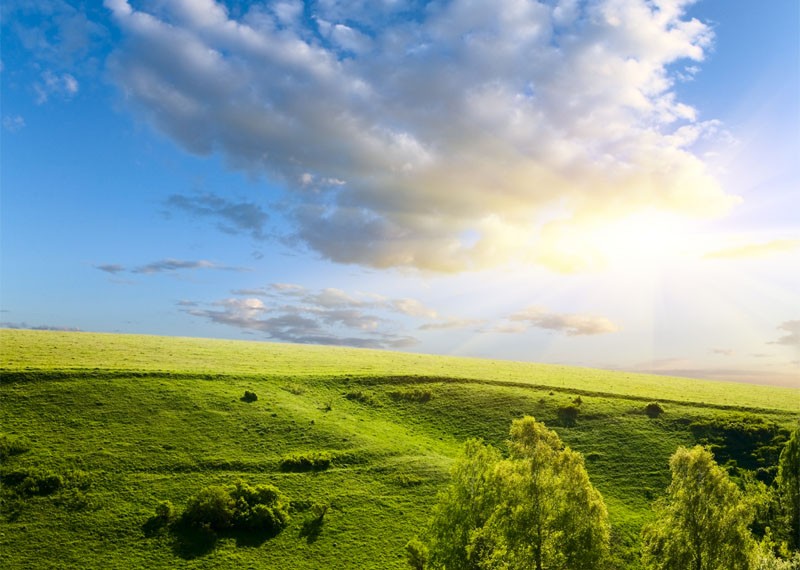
(129,421)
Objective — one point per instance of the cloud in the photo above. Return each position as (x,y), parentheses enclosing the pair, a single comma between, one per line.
(233,217)
(792,338)
(571,324)
(13,123)
(26,326)
(166,265)
(723,351)
(451,324)
(63,85)
(329,316)
(755,250)
(461,135)
(112,268)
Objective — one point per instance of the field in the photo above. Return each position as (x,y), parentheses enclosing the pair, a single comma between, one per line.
(123,422)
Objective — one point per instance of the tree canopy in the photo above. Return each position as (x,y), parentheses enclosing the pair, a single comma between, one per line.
(788,487)
(534,509)
(702,523)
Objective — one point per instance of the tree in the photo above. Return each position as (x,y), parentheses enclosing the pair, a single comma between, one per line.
(535,509)
(788,489)
(702,523)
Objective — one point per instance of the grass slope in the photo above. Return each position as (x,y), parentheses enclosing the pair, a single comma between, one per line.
(128,421)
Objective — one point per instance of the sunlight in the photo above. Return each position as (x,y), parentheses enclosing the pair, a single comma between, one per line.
(647,238)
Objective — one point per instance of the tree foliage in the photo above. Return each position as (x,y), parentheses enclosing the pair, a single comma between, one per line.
(702,523)
(534,509)
(788,489)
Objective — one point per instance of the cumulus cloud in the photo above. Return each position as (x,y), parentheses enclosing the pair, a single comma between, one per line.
(232,217)
(291,313)
(792,336)
(753,250)
(570,324)
(453,136)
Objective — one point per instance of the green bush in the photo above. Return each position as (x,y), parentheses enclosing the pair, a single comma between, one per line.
(259,508)
(361,396)
(568,415)
(653,410)
(313,461)
(417,395)
(10,445)
(212,507)
(249,396)
(29,482)
(165,511)
(241,508)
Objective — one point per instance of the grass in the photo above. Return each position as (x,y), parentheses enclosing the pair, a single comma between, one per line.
(126,422)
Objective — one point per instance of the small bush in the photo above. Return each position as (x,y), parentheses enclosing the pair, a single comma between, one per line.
(568,414)
(165,511)
(249,396)
(653,410)
(361,396)
(29,482)
(212,507)
(314,461)
(416,554)
(10,445)
(241,507)
(417,395)
(259,508)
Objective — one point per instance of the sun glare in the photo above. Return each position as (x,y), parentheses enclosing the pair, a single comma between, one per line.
(643,239)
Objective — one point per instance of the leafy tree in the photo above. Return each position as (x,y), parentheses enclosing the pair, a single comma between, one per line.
(702,523)
(788,487)
(535,509)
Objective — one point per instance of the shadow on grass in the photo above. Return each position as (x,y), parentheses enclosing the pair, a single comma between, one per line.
(312,527)
(191,541)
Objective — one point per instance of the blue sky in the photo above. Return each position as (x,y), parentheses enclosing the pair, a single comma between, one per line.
(606,183)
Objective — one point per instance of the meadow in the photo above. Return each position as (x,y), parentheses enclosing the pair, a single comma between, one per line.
(97,430)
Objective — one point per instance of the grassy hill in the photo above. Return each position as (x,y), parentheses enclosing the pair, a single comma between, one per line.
(98,429)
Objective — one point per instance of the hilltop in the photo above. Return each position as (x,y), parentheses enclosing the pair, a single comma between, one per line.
(121,422)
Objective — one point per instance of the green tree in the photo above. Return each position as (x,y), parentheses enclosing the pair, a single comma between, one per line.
(702,523)
(788,489)
(534,509)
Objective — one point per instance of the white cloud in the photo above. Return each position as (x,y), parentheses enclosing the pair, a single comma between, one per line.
(13,123)
(328,316)
(792,336)
(571,324)
(416,128)
(61,84)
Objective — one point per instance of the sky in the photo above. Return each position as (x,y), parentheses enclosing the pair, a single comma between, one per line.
(601,183)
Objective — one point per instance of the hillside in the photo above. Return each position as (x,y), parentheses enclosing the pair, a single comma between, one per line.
(122,422)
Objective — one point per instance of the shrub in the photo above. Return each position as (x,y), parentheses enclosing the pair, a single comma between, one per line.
(240,507)
(653,410)
(10,445)
(568,414)
(165,511)
(314,461)
(416,554)
(361,396)
(417,395)
(212,507)
(249,396)
(259,508)
(29,482)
